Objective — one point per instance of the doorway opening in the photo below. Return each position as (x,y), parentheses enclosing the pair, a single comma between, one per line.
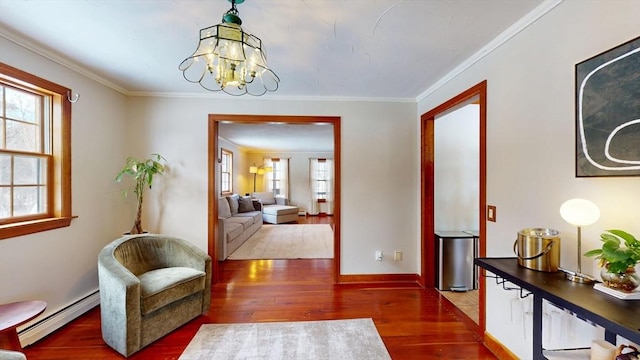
(213,168)
(477,93)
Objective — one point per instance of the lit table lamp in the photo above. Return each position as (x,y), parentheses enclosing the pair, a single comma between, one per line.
(579,212)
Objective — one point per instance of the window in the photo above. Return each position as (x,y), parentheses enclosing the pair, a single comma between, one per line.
(35,154)
(320,179)
(226,173)
(321,186)
(278,179)
(276,175)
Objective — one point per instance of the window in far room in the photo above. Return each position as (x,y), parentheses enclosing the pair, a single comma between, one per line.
(319,178)
(278,179)
(321,186)
(35,154)
(226,172)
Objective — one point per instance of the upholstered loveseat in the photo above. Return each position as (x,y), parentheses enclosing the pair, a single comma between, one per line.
(276,210)
(238,219)
(149,286)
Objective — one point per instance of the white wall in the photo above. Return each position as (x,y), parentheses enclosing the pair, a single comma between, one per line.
(457,170)
(60,266)
(530,138)
(380,171)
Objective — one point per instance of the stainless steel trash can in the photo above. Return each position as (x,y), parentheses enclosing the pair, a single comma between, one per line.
(456,251)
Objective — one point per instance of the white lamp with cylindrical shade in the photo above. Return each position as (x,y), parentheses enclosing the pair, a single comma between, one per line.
(579,213)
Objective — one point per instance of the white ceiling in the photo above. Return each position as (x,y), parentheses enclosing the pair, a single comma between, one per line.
(366,49)
(279,138)
(374,49)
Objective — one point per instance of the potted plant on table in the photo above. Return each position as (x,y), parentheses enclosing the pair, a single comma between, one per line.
(618,262)
(142,172)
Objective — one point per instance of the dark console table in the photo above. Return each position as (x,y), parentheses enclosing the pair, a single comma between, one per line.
(621,317)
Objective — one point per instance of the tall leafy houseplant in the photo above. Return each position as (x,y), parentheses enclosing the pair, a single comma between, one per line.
(142,172)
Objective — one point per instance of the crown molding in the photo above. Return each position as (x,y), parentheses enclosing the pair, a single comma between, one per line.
(57,58)
(505,36)
(222,96)
(494,44)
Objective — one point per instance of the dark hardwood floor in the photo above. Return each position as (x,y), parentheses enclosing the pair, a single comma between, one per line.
(414,323)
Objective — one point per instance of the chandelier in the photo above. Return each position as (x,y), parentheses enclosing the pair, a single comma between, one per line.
(230,59)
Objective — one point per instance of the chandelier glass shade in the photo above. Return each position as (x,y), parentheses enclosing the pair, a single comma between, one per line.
(230,59)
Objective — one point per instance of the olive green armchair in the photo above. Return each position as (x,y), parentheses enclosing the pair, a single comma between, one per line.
(149,286)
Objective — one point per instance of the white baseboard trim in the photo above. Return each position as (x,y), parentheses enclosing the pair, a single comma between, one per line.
(57,320)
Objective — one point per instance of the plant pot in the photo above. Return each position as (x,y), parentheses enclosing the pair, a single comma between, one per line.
(626,281)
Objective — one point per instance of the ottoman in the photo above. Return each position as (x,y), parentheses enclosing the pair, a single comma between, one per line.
(278,214)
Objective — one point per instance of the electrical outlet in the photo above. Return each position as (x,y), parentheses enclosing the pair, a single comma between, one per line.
(397,255)
(378,255)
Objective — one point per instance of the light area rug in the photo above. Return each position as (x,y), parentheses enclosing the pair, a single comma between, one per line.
(355,339)
(286,241)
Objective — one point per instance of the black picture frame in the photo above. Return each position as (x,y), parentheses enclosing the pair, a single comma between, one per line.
(607,91)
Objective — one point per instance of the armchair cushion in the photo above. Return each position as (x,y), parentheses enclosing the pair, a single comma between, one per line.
(163,286)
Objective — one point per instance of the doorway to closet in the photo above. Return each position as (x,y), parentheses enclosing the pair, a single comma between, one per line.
(475,94)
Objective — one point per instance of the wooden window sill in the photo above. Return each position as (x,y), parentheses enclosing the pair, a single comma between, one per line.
(33,226)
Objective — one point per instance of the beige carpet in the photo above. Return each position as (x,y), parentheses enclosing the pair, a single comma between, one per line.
(288,241)
(356,339)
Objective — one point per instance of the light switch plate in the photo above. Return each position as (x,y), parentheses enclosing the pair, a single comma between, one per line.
(491,213)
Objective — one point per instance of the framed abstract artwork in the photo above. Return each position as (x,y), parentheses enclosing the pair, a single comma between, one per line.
(608,113)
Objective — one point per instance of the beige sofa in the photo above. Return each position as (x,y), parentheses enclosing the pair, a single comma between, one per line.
(238,219)
(276,210)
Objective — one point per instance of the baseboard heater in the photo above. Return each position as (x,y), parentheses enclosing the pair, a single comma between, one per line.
(53,322)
